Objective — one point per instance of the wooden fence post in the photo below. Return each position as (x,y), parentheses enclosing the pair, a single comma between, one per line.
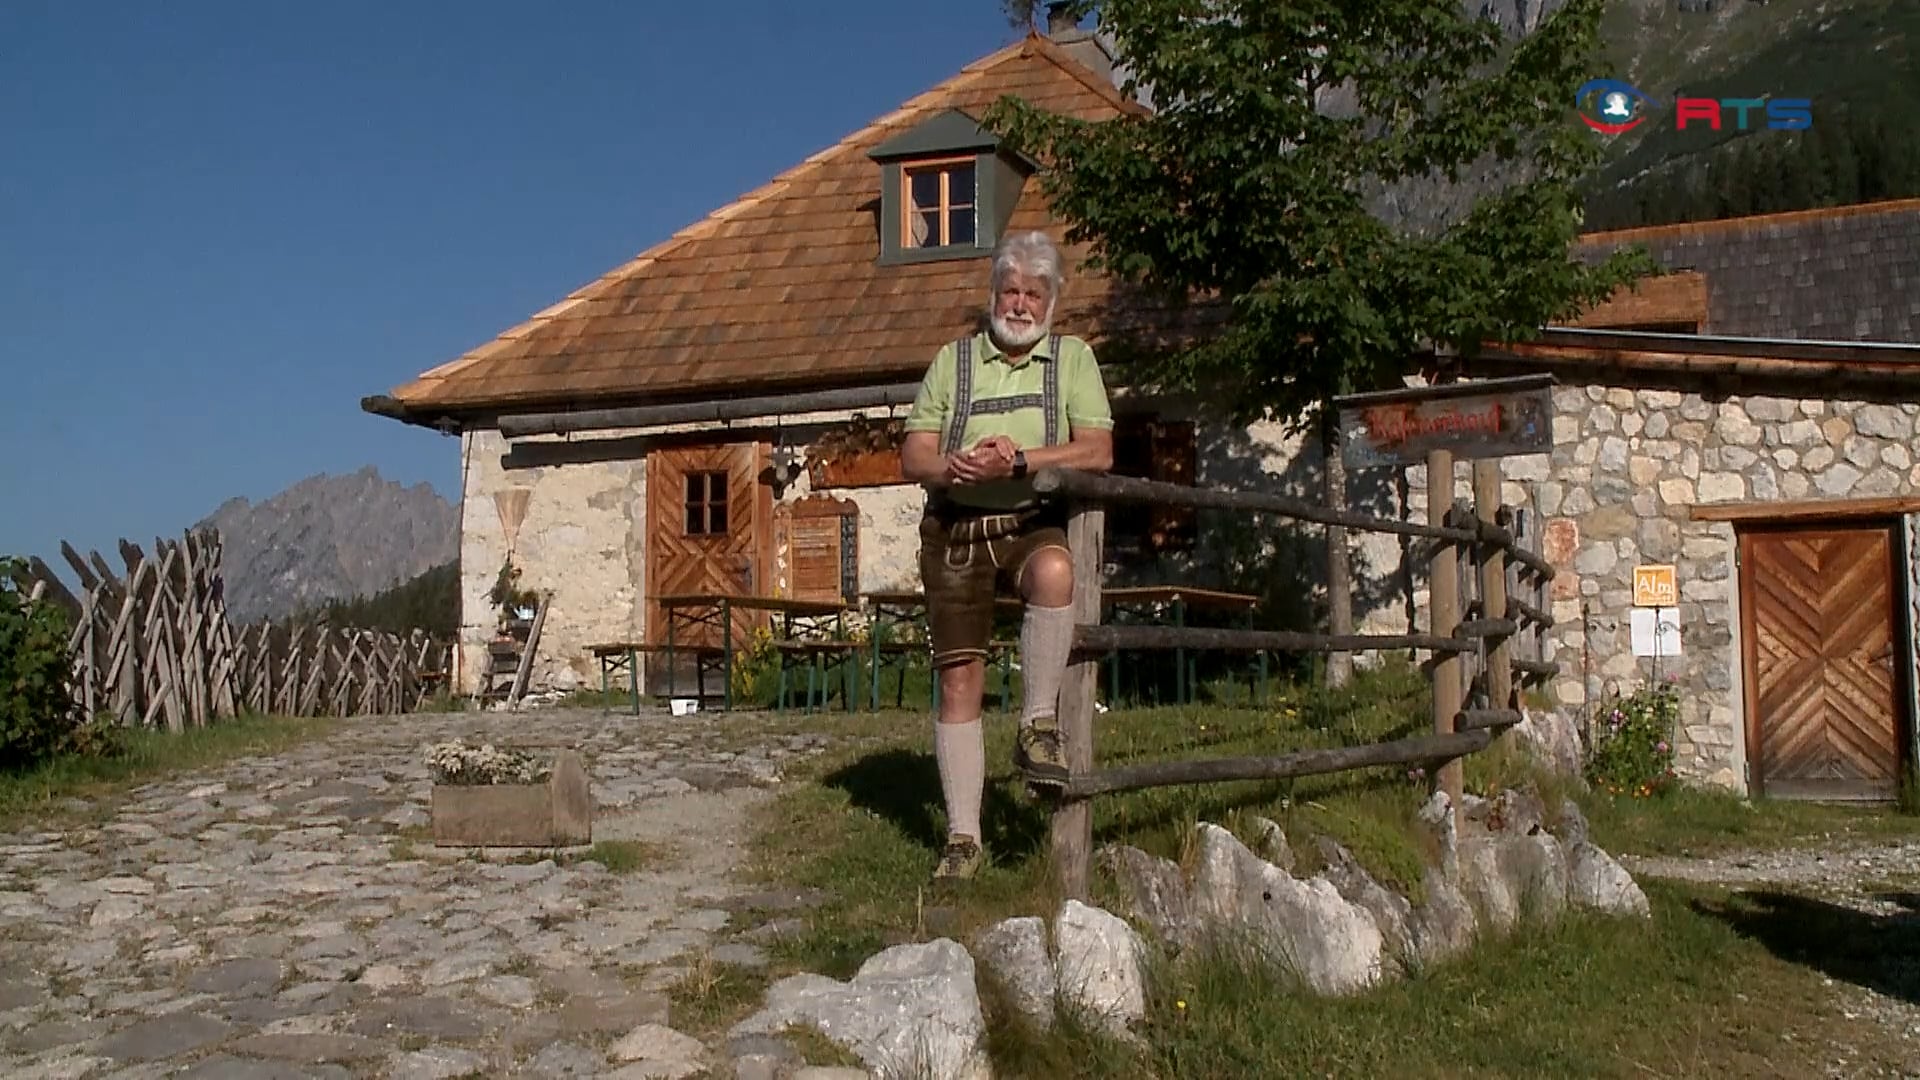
(1493,586)
(1444,613)
(1072,843)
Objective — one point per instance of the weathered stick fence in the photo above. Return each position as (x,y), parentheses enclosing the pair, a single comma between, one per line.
(156,649)
(1479,570)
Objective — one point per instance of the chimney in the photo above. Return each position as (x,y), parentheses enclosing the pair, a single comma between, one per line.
(1085,46)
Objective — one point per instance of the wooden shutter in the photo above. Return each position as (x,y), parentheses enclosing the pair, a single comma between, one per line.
(817,547)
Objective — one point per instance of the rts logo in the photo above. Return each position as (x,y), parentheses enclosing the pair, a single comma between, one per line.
(1611,107)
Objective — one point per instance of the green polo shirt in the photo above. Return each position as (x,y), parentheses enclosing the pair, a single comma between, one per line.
(1012,392)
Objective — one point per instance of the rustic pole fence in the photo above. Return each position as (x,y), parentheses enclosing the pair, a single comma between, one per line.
(1466,718)
(1443,600)
(157,649)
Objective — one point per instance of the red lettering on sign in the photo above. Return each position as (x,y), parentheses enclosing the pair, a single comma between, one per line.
(1395,425)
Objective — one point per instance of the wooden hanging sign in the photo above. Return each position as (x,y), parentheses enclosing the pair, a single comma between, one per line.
(1487,418)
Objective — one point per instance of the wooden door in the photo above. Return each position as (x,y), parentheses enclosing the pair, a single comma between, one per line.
(1824,718)
(709,530)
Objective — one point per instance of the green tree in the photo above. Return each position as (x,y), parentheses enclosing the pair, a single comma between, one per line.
(36,699)
(1023,13)
(1260,182)
(429,602)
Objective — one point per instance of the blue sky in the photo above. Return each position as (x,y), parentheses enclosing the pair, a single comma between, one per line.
(223,223)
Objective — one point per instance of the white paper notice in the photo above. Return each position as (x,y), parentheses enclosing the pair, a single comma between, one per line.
(1656,631)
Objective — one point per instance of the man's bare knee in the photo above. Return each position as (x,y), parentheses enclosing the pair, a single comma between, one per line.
(1048,578)
(962,687)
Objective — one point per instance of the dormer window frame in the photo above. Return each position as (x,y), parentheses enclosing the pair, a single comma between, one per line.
(945,139)
(947,200)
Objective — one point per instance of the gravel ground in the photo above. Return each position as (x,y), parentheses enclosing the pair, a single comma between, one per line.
(1877,988)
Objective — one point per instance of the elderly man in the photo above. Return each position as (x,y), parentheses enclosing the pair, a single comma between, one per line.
(992,408)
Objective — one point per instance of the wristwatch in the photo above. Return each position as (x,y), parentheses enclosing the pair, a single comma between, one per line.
(1019,464)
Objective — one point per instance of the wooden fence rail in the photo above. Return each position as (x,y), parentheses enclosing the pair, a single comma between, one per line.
(157,649)
(1486,589)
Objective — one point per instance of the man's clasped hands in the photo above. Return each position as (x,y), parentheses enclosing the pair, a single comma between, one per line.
(990,459)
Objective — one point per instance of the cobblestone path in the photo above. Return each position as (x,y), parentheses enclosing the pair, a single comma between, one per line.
(288,916)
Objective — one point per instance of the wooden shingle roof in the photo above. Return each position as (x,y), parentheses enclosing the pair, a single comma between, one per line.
(781,288)
(1847,273)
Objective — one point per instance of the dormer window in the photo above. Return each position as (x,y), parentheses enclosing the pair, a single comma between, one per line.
(946,190)
(941,204)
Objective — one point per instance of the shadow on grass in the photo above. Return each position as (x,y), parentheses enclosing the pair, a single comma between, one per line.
(903,787)
(1878,951)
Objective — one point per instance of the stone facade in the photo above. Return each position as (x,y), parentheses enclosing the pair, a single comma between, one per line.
(583,538)
(1627,467)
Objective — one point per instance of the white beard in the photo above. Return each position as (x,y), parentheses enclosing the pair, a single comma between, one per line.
(1012,337)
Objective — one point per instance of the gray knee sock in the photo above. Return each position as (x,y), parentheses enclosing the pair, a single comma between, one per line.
(961,752)
(1046,637)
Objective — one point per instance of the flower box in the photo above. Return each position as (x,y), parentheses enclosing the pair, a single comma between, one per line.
(477,807)
(874,468)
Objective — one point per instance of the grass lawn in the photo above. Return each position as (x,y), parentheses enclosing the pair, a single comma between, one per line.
(69,787)
(1717,982)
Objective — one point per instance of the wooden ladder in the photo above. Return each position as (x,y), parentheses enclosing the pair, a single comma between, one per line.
(510,662)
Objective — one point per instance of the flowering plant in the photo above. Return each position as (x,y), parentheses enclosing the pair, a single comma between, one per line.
(458,763)
(1632,751)
(754,662)
(854,626)
(507,595)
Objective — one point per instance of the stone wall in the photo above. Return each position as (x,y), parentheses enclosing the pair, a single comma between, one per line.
(1281,559)
(1627,467)
(582,538)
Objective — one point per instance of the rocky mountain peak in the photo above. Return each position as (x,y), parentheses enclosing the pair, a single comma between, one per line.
(330,537)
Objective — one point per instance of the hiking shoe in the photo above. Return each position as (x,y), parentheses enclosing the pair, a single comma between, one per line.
(961,860)
(1041,753)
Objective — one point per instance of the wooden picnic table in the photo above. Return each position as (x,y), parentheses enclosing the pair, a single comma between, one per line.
(716,610)
(899,604)
(1184,595)
(1179,598)
(905,606)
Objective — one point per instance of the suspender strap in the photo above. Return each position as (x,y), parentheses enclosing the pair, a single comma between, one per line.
(963,404)
(962,394)
(1050,395)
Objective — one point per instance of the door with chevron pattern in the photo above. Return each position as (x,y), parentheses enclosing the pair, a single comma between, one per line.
(1825,674)
(709,532)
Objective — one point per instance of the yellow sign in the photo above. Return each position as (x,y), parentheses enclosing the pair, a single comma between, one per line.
(1654,586)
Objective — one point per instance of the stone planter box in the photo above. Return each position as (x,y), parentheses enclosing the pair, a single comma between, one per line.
(558,813)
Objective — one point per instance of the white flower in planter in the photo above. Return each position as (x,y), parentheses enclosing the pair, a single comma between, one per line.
(458,763)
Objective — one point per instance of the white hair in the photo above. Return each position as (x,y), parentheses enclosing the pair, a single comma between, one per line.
(1031,253)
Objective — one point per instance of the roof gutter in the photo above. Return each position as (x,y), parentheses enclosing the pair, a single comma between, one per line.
(394,409)
(1797,350)
(1577,360)
(521,425)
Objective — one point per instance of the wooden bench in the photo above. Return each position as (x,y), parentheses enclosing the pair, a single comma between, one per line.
(1000,655)
(821,659)
(617,657)
(895,655)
